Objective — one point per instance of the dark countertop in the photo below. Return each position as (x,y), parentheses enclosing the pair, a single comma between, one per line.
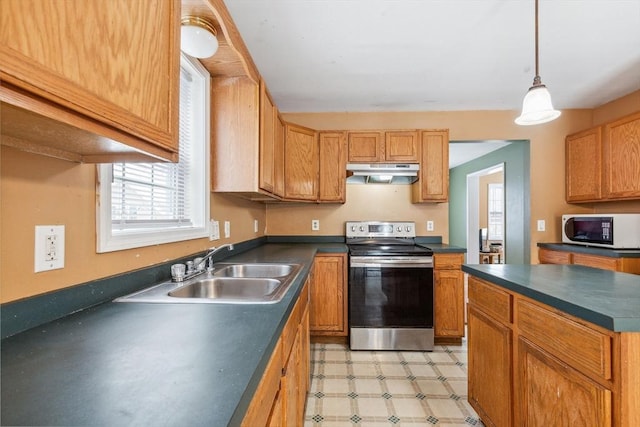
(438,248)
(149,364)
(592,250)
(602,297)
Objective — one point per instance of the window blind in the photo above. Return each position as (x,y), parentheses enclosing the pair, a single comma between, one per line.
(157,195)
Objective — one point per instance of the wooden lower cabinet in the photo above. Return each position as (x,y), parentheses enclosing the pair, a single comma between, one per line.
(553,393)
(533,365)
(490,375)
(624,265)
(448,289)
(328,306)
(281,395)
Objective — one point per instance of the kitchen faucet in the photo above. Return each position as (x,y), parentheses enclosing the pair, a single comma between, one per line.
(209,256)
(193,267)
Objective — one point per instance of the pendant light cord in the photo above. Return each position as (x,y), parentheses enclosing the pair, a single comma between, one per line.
(536,79)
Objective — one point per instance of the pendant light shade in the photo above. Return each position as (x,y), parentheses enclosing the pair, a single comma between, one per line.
(198,37)
(537,106)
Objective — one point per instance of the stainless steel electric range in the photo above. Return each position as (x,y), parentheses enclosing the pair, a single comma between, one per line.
(390,287)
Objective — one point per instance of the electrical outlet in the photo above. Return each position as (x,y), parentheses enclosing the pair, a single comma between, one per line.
(315,225)
(214,230)
(227,229)
(255,225)
(49,247)
(429,225)
(541,225)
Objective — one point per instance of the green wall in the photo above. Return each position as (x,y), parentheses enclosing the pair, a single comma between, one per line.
(517,200)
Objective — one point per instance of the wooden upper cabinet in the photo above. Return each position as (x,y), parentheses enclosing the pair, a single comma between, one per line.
(333,160)
(301,163)
(365,147)
(380,146)
(268,118)
(621,150)
(402,146)
(583,163)
(433,183)
(278,161)
(108,71)
(602,162)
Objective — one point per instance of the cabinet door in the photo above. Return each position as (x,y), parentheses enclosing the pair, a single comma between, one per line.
(301,163)
(621,158)
(490,378)
(546,256)
(268,117)
(291,386)
(448,303)
(552,393)
(116,62)
(433,184)
(333,160)
(365,147)
(328,315)
(402,147)
(278,161)
(583,165)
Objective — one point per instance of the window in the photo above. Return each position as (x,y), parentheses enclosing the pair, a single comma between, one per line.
(496,212)
(143,204)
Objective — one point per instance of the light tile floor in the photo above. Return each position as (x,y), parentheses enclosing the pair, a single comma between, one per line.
(388,388)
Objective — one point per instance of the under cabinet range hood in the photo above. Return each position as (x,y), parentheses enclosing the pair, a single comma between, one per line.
(382,173)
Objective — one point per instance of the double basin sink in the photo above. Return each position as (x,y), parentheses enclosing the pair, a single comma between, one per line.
(227,284)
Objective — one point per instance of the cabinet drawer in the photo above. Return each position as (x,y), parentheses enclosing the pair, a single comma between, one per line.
(596,261)
(291,328)
(447,261)
(554,257)
(260,407)
(586,349)
(490,299)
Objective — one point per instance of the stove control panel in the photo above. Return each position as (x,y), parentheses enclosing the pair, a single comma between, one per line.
(380,229)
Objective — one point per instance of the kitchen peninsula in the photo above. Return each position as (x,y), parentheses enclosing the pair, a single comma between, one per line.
(554,345)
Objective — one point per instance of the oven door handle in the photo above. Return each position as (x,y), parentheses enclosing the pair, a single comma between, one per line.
(394,262)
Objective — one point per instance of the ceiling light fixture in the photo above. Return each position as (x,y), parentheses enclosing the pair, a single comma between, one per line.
(537,107)
(198,37)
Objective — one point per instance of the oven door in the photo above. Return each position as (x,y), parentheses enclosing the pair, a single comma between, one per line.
(391,303)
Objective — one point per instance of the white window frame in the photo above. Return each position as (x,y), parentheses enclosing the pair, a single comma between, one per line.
(495,218)
(107,240)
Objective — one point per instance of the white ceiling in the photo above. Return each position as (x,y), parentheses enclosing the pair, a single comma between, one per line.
(463,152)
(439,55)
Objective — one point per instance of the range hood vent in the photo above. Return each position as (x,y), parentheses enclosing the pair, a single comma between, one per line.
(382,173)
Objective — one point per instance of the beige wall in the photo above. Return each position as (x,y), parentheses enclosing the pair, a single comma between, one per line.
(38,190)
(364,203)
(546,152)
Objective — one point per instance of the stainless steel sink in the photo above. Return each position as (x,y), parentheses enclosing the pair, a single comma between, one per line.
(254,270)
(228,288)
(238,283)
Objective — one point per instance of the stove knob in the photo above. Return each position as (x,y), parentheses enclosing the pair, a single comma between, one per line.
(399,228)
(353,228)
(408,228)
(362,228)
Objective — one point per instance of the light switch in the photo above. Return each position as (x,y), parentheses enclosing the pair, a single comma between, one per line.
(227,229)
(541,225)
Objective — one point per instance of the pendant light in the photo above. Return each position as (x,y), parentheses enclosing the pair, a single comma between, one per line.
(198,37)
(537,107)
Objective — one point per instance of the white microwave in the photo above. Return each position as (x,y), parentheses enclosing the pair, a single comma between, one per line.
(616,231)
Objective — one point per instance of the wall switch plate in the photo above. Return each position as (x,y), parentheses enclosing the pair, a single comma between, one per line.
(214,230)
(541,225)
(315,225)
(227,229)
(429,225)
(255,225)
(49,247)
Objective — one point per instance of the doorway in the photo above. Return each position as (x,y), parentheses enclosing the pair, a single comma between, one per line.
(485,216)
(516,160)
